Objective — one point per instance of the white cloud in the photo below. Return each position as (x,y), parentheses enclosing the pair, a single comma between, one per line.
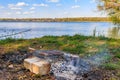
(31,12)
(32,8)
(65,13)
(92,1)
(54,1)
(75,6)
(25,12)
(11,5)
(18,12)
(58,4)
(19,4)
(41,5)
(8,13)
(28,12)
(15,8)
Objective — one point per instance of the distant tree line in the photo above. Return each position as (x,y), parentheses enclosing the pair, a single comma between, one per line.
(80,19)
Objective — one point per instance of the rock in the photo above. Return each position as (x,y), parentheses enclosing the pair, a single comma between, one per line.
(29,61)
(37,65)
(1,71)
(49,55)
(31,49)
(11,66)
(4,65)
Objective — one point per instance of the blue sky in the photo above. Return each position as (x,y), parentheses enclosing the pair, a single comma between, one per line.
(48,8)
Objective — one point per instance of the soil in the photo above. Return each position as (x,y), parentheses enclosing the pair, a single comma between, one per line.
(11,68)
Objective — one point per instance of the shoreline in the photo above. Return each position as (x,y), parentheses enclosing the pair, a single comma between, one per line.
(56,21)
(76,19)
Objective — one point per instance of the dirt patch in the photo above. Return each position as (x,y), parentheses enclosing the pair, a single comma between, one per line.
(11,68)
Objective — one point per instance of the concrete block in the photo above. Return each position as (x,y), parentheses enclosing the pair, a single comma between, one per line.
(37,65)
(41,67)
(29,62)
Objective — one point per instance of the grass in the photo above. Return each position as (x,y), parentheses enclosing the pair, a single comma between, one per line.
(77,44)
(111,66)
(117,55)
(7,40)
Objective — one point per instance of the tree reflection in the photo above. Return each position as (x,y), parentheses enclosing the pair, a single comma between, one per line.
(114,32)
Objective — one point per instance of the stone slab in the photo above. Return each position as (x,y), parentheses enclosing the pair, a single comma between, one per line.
(48,53)
(37,65)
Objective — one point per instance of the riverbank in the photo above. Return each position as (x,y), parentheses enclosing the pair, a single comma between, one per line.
(14,51)
(74,19)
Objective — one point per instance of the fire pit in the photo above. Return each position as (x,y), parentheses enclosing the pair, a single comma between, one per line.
(66,66)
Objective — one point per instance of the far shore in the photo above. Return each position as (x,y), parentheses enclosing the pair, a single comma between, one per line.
(77,19)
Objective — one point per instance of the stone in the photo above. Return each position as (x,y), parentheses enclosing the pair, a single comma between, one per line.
(37,65)
(11,66)
(29,61)
(49,55)
(41,67)
(46,53)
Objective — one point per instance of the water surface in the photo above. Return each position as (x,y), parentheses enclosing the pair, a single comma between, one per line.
(39,29)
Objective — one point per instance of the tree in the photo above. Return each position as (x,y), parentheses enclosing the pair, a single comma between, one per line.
(112,8)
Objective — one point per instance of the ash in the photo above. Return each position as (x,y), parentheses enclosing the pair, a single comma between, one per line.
(72,67)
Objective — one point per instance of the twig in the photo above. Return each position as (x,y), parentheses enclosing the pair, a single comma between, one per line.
(15,33)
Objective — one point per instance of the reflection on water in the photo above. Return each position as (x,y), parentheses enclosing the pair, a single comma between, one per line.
(114,32)
(39,29)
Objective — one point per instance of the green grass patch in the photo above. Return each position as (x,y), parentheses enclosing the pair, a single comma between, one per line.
(117,55)
(111,66)
(77,44)
(7,40)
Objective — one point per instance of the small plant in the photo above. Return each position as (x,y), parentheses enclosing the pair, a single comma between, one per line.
(111,66)
(117,55)
(118,74)
(22,49)
(37,76)
(7,40)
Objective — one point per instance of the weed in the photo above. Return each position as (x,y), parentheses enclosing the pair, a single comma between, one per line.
(111,66)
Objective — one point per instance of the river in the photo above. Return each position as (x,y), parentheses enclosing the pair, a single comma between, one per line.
(39,29)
